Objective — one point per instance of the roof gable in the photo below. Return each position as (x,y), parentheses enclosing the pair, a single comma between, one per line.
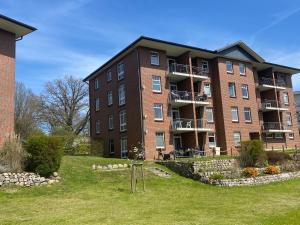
(241,51)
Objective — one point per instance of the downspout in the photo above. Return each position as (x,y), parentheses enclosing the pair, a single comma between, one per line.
(141,100)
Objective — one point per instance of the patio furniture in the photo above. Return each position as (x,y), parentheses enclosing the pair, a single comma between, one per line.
(189,124)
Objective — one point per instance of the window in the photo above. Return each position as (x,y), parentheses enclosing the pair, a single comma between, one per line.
(231,88)
(211,140)
(109,75)
(160,140)
(269,135)
(97,103)
(120,70)
(242,69)
(245,92)
(123,143)
(229,67)
(97,126)
(158,112)
(207,89)
(279,135)
(111,146)
(156,85)
(109,98)
(237,139)
(97,86)
(110,122)
(209,115)
(289,119)
(247,112)
(286,98)
(154,58)
(234,114)
(291,135)
(123,121)
(122,94)
(205,67)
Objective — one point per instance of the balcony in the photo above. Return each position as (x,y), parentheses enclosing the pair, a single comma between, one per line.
(178,72)
(266,83)
(272,105)
(181,125)
(182,98)
(275,127)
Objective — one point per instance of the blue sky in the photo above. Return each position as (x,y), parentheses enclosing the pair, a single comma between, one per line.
(75,37)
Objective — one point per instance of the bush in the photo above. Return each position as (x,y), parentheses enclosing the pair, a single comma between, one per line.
(252,153)
(250,172)
(45,154)
(13,155)
(272,170)
(217,176)
(277,157)
(290,166)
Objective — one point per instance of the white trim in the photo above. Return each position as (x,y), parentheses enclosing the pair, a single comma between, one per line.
(164,144)
(123,124)
(243,73)
(151,62)
(156,76)
(229,71)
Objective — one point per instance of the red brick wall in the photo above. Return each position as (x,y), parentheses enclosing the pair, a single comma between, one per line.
(7,84)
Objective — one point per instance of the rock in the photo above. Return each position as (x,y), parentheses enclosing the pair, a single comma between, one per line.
(51,181)
(109,166)
(94,167)
(115,166)
(120,165)
(125,165)
(55,174)
(104,167)
(99,167)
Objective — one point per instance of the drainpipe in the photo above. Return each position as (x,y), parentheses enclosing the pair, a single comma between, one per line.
(141,101)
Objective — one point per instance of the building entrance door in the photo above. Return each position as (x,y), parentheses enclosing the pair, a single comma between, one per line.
(177,142)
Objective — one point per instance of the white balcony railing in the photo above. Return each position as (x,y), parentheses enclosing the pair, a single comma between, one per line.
(182,123)
(272,82)
(274,126)
(187,96)
(182,68)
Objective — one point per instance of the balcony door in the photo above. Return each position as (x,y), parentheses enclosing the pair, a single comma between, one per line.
(175,114)
(177,142)
(171,65)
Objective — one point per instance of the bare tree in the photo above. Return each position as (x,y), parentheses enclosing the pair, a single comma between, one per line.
(26,107)
(64,105)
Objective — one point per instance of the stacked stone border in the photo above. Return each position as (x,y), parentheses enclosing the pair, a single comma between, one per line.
(202,170)
(26,179)
(110,166)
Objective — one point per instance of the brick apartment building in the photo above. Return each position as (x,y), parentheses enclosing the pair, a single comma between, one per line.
(172,96)
(10,32)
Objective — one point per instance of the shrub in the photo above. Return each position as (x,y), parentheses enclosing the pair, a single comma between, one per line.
(252,153)
(250,172)
(277,157)
(13,155)
(217,176)
(272,170)
(290,166)
(45,154)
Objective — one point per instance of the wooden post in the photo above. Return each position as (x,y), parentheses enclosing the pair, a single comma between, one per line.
(134,176)
(272,148)
(283,148)
(231,150)
(143,177)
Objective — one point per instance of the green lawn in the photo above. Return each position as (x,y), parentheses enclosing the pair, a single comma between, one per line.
(88,197)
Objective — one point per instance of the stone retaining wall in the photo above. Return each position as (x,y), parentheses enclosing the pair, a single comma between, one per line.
(253,181)
(26,179)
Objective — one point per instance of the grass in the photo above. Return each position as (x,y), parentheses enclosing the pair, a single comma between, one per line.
(88,197)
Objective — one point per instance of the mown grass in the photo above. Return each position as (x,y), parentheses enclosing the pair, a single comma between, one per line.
(88,197)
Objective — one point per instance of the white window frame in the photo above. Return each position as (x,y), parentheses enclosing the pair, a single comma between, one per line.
(207,89)
(110,144)
(123,120)
(211,144)
(97,84)
(227,63)
(231,84)
(109,75)
(154,60)
(245,87)
(97,127)
(291,135)
(163,140)
(121,70)
(123,147)
(234,109)
(97,104)
(247,110)
(208,111)
(204,63)
(109,98)
(158,106)
(237,143)
(122,94)
(279,136)
(285,98)
(110,122)
(156,81)
(289,120)
(244,66)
